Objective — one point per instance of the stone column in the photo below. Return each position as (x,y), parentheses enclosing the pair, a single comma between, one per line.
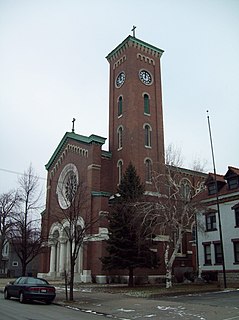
(80,260)
(53,256)
(62,262)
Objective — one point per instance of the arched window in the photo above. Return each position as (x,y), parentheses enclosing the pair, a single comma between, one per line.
(120,106)
(120,170)
(120,134)
(148,170)
(146,104)
(147,135)
(186,189)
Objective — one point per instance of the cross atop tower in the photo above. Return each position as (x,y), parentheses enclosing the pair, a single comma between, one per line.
(73,125)
(133,29)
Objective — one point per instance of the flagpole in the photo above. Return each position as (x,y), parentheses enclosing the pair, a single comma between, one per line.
(218,205)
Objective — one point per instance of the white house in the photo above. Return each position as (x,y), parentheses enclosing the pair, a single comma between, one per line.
(226,199)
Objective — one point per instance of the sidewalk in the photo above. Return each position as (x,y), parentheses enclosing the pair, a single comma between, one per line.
(119,305)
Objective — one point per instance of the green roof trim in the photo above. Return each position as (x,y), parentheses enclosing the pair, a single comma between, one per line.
(135,40)
(77,137)
(106,154)
(100,194)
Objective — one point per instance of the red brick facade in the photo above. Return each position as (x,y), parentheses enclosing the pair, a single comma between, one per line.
(141,108)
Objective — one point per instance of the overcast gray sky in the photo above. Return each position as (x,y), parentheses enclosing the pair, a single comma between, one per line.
(53,68)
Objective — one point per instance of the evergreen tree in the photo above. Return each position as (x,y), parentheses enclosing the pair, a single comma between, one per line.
(128,243)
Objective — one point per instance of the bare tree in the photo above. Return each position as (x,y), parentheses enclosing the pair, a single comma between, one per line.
(173,156)
(25,231)
(171,215)
(175,215)
(199,165)
(9,203)
(75,219)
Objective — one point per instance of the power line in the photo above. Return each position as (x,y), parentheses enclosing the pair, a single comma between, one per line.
(20,173)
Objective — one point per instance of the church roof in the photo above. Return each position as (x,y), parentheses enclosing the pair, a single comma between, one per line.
(154,50)
(77,137)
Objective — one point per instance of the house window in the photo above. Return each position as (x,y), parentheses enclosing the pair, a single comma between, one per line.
(15,263)
(232,183)
(236,250)
(148,170)
(211,222)
(218,253)
(207,254)
(237,217)
(120,171)
(147,135)
(120,106)
(146,104)
(212,188)
(120,134)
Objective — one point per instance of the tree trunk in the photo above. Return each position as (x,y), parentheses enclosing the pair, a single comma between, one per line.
(24,268)
(131,277)
(66,288)
(169,262)
(72,282)
(168,267)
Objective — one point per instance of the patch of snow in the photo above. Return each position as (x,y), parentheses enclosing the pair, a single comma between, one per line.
(73,308)
(180,311)
(125,310)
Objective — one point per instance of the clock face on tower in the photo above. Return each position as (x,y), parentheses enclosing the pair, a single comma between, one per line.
(145,77)
(67,185)
(120,79)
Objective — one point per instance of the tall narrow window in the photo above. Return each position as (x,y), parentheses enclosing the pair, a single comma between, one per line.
(237,216)
(147,135)
(207,254)
(120,170)
(146,104)
(236,250)
(120,134)
(218,253)
(185,189)
(148,170)
(120,106)
(236,210)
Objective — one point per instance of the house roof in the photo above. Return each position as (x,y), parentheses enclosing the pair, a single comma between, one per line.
(232,171)
(224,190)
(211,178)
(77,137)
(135,41)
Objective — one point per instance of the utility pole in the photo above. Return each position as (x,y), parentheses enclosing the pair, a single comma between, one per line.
(218,205)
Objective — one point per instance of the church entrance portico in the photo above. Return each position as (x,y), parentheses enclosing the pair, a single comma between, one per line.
(60,253)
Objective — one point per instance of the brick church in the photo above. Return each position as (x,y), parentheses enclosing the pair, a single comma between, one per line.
(136,134)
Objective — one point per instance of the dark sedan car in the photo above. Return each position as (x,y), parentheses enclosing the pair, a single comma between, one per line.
(29,288)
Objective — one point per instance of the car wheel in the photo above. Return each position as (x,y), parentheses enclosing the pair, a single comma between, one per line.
(6,295)
(21,297)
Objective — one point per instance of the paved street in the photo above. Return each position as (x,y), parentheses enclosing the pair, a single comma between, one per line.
(229,299)
(93,304)
(13,310)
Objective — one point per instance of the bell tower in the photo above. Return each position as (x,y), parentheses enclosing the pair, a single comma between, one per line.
(135,109)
